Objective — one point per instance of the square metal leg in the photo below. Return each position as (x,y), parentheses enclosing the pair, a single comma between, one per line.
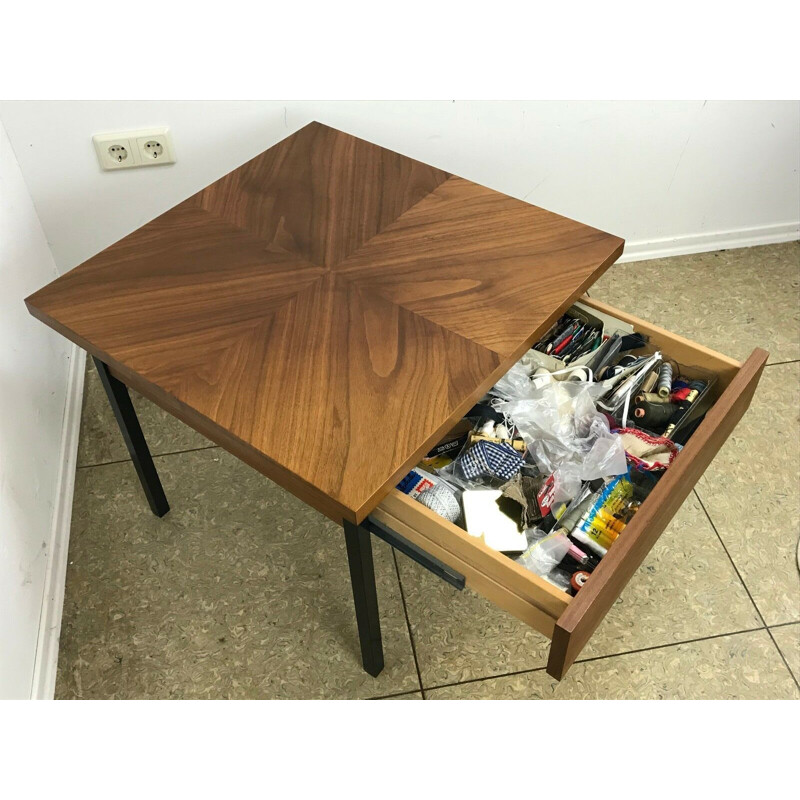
(365,595)
(128,423)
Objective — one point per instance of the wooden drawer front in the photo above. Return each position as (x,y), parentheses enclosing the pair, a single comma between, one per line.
(570,621)
(493,575)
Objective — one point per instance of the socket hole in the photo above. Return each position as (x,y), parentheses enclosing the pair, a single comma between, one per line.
(153,149)
(118,152)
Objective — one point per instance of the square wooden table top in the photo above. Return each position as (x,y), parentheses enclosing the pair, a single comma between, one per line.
(327,310)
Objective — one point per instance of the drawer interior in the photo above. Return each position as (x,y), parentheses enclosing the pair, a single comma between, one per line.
(569,620)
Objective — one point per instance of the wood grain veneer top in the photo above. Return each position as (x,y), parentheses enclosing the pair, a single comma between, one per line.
(328,309)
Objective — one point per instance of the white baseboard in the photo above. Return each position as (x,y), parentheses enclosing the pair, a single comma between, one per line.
(706,242)
(46,661)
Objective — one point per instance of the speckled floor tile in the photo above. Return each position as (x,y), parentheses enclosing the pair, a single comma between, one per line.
(685,589)
(731,300)
(737,667)
(100,440)
(240,591)
(459,636)
(788,639)
(409,696)
(752,493)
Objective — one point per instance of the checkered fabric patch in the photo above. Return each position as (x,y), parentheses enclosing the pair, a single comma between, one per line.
(491,458)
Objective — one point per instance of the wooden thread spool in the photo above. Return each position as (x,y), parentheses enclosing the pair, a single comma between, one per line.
(517,444)
(649,382)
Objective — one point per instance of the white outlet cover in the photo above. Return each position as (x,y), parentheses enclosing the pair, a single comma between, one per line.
(149,147)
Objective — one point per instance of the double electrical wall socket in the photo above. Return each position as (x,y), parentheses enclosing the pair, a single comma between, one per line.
(127,149)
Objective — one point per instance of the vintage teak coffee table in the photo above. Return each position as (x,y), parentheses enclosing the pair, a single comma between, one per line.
(326,312)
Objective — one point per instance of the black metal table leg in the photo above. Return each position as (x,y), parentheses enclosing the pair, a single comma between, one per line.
(365,595)
(128,423)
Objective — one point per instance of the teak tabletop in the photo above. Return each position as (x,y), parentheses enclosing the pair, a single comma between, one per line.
(327,310)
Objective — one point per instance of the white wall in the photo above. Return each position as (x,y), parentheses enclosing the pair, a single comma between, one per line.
(34,364)
(667,176)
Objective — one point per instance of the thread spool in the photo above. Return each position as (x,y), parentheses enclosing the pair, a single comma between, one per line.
(651,397)
(578,579)
(441,501)
(665,380)
(654,416)
(579,375)
(679,391)
(695,389)
(649,383)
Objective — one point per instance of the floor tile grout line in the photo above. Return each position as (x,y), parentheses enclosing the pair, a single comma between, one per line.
(783,658)
(673,644)
(781,363)
(155,455)
(746,588)
(408,623)
(397,694)
(784,624)
(730,558)
(590,659)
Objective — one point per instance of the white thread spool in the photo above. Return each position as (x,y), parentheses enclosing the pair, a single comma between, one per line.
(580,374)
(441,501)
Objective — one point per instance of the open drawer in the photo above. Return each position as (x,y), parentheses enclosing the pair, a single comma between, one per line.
(570,621)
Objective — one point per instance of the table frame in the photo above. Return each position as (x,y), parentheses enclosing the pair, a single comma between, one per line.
(358,538)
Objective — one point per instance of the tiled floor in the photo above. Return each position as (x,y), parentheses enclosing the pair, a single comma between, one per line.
(242,591)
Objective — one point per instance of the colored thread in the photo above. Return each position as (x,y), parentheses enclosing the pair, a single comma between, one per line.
(578,579)
(665,379)
(695,389)
(680,390)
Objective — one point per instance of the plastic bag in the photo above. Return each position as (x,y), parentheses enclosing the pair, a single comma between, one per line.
(516,383)
(543,555)
(565,433)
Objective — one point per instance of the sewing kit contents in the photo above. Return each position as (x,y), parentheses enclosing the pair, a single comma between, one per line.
(442,500)
(578,579)
(497,433)
(551,466)
(490,459)
(647,452)
(684,406)
(607,511)
(570,339)
(664,381)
